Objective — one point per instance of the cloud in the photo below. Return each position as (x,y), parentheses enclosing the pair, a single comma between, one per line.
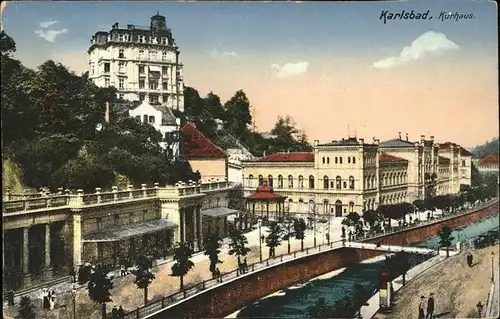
(290,69)
(428,43)
(47,24)
(216,55)
(50,35)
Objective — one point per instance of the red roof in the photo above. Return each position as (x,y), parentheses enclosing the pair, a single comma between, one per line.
(265,192)
(199,146)
(489,160)
(464,152)
(447,145)
(288,157)
(386,157)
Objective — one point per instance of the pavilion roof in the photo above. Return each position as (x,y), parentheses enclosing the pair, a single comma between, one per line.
(265,192)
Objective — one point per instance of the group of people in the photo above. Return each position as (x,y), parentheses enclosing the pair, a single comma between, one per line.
(243,266)
(426,308)
(217,274)
(48,299)
(117,313)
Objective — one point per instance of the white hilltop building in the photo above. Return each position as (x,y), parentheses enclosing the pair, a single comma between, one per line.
(143,64)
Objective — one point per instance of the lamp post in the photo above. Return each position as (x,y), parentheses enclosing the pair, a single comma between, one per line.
(73,293)
(492,266)
(314,224)
(259,221)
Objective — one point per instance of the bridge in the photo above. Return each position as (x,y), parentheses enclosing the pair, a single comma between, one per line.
(46,235)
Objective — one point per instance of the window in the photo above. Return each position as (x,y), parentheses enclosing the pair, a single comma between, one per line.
(348,159)
(338,179)
(323,160)
(340,160)
(138,117)
(344,184)
(332,184)
(121,53)
(121,84)
(261,180)
(280,181)
(325,207)
(164,41)
(141,39)
(463,161)
(120,96)
(164,56)
(301,181)
(311,182)
(301,205)
(106,68)
(164,85)
(270,180)
(336,160)
(250,180)
(153,84)
(142,97)
(351,207)
(351,182)
(354,160)
(327,160)
(164,70)
(153,98)
(142,84)
(153,40)
(141,69)
(152,55)
(121,37)
(145,118)
(92,71)
(312,207)
(164,98)
(325,182)
(141,54)
(151,119)
(106,82)
(290,181)
(121,67)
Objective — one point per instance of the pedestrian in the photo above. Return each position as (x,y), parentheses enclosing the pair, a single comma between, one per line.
(421,308)
(245,265)
(350,235)
(123,271)
(114,313)
(45,298)
(218,274)
(121,313)
(262,238)
(327,237)
(430,306)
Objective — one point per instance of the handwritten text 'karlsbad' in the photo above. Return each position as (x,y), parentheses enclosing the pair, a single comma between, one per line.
(404,15)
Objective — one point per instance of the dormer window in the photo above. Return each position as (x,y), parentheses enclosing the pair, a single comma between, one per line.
(121,37)
(121,53)
(164,41)
(151,119)
(141,39)
(164,56)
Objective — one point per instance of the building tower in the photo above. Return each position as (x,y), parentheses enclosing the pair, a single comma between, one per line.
(141,62)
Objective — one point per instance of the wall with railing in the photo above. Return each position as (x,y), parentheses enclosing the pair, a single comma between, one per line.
(28,201)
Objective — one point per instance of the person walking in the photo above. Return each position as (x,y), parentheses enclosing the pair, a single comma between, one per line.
(262,238)
(421,308)
(114,313)
(470,258)
(430,306)
(121,313)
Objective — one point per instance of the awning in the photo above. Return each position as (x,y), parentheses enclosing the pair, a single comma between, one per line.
(154,68)
(219,212)
(127,231)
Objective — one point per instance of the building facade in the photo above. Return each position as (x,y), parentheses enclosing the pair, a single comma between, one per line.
(351,175)
(488,164)
(142,63)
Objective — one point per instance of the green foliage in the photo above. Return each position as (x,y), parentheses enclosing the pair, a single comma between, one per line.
(445,237)
(238,111)
(236,198)
(26,308)
(273,238)
(183,264)
(487,148)
(397,265)
(143,273)
(299,228)
(212,250)
(99,287)
(237,244)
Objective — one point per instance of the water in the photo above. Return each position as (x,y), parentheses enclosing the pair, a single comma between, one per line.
(295,301)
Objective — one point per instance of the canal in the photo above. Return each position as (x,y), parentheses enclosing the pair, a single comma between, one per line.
(296,301)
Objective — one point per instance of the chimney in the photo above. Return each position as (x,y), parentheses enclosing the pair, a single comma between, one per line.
(407,136)
(374,140)
(432,138)
(422,138)
(316,142)
(399,135)
(106,115)
(377,141)
(361,141)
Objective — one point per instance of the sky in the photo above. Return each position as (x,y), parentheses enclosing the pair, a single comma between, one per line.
(337,69)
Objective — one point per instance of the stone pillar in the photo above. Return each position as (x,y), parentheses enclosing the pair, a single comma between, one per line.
(77,239)
(26,255)
(48,266)
(195,228)
(114,190)
(98,193)
(200,226)
(183,224)
(143,188)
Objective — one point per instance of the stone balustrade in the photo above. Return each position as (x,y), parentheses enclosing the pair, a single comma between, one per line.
(13,203)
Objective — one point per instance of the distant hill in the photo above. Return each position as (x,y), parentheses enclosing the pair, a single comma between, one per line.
(485,149)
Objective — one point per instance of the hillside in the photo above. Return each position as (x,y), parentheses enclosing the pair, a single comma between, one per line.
(485,149)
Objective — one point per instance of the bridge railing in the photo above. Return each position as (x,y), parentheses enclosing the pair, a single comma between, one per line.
(187,292)
(35,203)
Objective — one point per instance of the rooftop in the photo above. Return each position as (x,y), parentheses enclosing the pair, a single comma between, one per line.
(351,141)
(265,192)
(389,158)
(397,142)
(199,146)
(489,160)
(288,157)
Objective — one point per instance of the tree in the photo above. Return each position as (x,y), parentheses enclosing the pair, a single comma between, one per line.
(182,265)
(212,250)
(446,239)
(143,274)
(26,308)
(237,244)
(288,231)
(238,114)
(99,287)
(299,228)
(273,238)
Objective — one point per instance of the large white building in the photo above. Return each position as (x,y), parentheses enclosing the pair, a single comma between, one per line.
(141,62)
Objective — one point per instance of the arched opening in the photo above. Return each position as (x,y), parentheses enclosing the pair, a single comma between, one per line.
(280,181)
(325,182)
(290,181)
(351,207)
(301,206)
(261,180)
(338,181)
(301,181)
(289,205)
(250,180)
(270,180)
(311,181)
(351,182)
(338,208)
